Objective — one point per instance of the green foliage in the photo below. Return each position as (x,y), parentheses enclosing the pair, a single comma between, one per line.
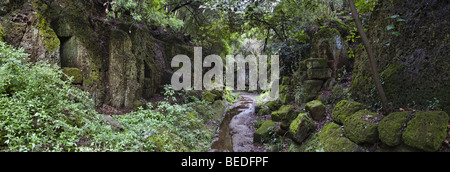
(148,11)
(279,143)
(168,128)
(169,93)
(257,123)
(344,109)
(365,6)
(41,112)
(38,110)
(278,16)
(352,37)
(230,96)
(301,37)
(391,27)
(279,22)
(433,105)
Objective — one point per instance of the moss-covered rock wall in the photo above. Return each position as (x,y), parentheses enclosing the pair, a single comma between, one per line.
(413,57)
(119,62)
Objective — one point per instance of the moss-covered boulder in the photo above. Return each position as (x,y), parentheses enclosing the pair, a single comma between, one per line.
(286,122)
(264,111)
(75,73)
(301,127)
(209,97)
(273,105)
(316,63)
(316,109)
(305,88)
(330,139)
(285,112)
(338,92)
(390,128)
(307,91)
(426,131)
(327,43)
(362,127)
(344,109)
(319,74)
(263,133)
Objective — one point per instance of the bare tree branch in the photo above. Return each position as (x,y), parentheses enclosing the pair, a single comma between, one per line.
(373,63)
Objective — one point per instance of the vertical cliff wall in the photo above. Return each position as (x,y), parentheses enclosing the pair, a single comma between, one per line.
(410,40)
(119,62)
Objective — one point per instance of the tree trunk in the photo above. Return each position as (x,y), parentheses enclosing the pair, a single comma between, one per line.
(373,63)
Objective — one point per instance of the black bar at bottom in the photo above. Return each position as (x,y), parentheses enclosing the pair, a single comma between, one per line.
(205,161)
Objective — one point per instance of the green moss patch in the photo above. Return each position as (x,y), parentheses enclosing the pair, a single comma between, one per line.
(301,127)
(330,139)
(273,105)
(344,109)
(390,128)
(47,34)
(95,77)
(413,66)
(263,133)
(137,104)
(316,109)
(75,73)
(426,131)
(285,112)
(362,127)
(319,74)
(209,97)
(316,63)
(264,111)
